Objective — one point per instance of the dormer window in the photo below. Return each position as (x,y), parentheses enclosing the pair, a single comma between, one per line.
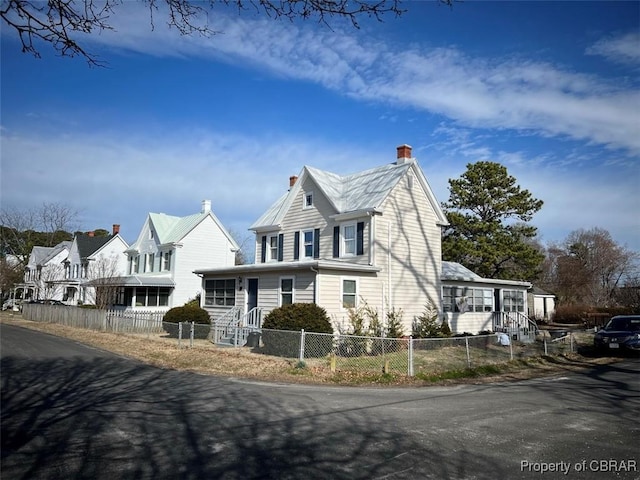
(308,200)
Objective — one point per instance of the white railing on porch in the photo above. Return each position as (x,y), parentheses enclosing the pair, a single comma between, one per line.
(234,328)
(517,324)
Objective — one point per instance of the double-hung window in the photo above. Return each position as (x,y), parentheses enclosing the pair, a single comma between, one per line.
(273,248)
(307,246)
(166,261)
(349,239)
(349,293)
(286,290)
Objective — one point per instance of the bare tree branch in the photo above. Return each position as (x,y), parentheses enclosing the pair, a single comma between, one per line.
(58,22)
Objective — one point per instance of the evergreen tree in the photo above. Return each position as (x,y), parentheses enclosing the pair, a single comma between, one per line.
(489,231)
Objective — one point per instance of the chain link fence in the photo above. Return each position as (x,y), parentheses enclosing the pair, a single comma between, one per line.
(407,356)
(334,352)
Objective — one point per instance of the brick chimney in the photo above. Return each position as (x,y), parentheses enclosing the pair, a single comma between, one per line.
(116,229)
(292,180)
(91,234)
(404,154)
(206,206)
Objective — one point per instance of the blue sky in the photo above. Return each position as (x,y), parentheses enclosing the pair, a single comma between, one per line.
(548,89)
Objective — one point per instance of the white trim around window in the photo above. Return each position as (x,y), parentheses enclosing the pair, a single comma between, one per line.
(348,292)
(307,200)
(348,240)
(307,244)
(272,248)
(286,290)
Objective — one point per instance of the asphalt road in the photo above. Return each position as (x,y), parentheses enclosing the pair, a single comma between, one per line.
(71,411)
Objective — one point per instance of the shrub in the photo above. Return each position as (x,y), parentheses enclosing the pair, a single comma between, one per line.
(427,326)
(295,317)
(394,329)
(187,313)
(299,316)
(194,302)
(570,314)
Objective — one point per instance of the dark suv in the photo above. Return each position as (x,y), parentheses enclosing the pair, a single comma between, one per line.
(622,333)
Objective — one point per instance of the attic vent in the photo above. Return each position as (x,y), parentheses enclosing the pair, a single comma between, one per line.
(409,182)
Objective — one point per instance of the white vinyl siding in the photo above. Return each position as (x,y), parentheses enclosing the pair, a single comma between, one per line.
(408,251)
(205,246)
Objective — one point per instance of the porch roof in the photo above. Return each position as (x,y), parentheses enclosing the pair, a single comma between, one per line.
(133,281)
(286,266)
(455,272)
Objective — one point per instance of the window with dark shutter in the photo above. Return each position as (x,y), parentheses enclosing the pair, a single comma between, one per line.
(280,247)
(360,238)
(296,245)
(336,241)
(316,243)
(263,253)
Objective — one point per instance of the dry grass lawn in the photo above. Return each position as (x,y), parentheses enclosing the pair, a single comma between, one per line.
(207,358)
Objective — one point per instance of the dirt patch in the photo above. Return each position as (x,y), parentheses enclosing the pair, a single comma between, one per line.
(206,358)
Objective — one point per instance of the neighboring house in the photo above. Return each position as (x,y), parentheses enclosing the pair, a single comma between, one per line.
(159,273)
(341,241)
(91,258)
(43,270)
(542,305)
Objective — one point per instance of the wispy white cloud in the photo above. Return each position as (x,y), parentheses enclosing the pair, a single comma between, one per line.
(120,177)
(621,48)
(520,94)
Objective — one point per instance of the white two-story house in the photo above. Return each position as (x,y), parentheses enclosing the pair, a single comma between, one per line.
(42,272)
(91,258)
(338,241)
(160,263)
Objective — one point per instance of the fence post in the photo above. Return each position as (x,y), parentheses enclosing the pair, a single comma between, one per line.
(571,342)
(466,344)
(192,334)
(301,356)
(544,340)
(510,349)
(179,334)
(410,362)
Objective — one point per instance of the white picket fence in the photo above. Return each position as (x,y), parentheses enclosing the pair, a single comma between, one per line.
(119,321)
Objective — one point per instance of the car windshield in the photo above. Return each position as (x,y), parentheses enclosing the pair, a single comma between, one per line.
(628,324)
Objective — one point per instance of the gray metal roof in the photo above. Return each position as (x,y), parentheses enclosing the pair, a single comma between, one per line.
(172,229)
(456,271)
(452,271)
(42,255)
(136,281)
(359,191)
(364,190)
